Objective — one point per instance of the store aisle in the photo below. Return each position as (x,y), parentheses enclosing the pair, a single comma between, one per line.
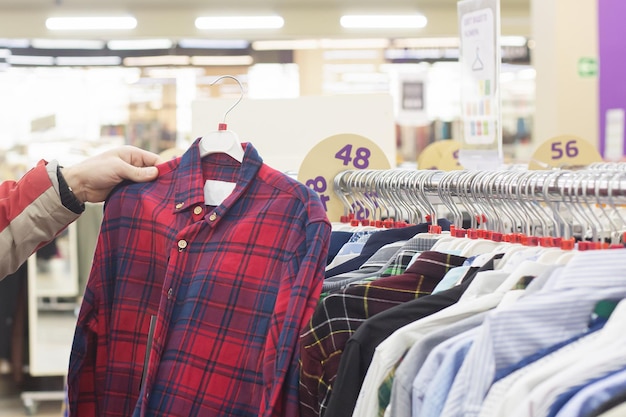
(13,407)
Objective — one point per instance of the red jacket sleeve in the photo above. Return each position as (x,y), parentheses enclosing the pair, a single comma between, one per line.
(31,214)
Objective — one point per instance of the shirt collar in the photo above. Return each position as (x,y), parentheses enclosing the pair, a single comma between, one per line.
(189,181)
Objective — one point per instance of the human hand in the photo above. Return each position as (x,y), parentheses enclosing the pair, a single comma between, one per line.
(94,178)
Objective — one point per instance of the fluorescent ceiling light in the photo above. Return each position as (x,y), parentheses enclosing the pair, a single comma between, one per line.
(354,43)
(88,60)
(449,42)
(286,45)
(354,54)
(91,23)
(213,44)
(159,72)
(15,43)
(404,21)
(67,44)
(239,22)
(512,41)
(133,44)
(30,60)
(221,60)
(141,61)
(320,44)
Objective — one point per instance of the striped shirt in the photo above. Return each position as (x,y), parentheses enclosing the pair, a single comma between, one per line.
(340,314)
(510,334)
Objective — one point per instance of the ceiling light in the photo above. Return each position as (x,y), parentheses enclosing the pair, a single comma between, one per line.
(81,61)
(141,61)
(286,45)
(134,44)
(14,43)
(404,21)
(239,22)
(448,42)
(354,43)
(512,41)
(91,23)
(5,53)
(67,44)
(222,60)
(353,54)
(30,60)
(213,44)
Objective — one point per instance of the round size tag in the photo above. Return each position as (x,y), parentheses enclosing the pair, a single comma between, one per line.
(564,152)
(442,155)
(333,155)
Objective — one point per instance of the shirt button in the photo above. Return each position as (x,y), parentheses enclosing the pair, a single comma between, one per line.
(179,206)
(197,210)
(212,217)
(182,244)
(170,292)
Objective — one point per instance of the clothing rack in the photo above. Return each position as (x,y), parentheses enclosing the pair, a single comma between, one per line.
(559,203)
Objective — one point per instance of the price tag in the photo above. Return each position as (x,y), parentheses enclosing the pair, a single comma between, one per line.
(442,155)
(566,152)
(330,157)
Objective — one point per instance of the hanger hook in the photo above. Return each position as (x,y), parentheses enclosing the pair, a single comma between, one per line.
(240,92)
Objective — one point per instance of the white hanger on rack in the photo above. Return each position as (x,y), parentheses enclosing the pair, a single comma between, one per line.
(223,140)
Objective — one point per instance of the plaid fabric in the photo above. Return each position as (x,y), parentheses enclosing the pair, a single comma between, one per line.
(340,314)
(231,287)
(384,390)
(413,246)
(400,263)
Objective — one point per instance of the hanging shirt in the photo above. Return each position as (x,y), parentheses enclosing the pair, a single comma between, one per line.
(568,299)
(340,314)
(231,287)
(360,348)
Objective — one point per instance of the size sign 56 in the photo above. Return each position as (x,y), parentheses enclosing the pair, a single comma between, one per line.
(564,152)
(330,157)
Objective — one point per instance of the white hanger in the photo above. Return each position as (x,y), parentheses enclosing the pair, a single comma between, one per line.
(223,140)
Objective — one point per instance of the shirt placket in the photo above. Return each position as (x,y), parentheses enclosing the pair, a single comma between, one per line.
(177,258)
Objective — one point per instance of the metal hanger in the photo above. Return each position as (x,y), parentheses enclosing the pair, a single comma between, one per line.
(223,140)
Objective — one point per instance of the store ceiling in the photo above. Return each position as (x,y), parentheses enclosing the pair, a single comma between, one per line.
(233,4)
(303,18)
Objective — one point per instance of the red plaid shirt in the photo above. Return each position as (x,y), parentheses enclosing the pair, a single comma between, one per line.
(231,286)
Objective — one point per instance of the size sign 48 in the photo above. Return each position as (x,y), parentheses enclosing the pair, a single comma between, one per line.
(330,157)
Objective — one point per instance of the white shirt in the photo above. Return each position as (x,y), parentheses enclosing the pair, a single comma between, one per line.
(513,333)
(606,356)
(390,351)
(512,389)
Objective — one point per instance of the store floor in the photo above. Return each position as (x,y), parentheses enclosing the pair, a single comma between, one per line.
(11,404)
(13,407)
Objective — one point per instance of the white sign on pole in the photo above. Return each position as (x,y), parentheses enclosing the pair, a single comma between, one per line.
(614,135)
(479,28)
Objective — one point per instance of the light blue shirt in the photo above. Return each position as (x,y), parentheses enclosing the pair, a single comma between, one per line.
(438,389)
(438,358)
(558,311)
(451,278)
(593,396)
(416,357)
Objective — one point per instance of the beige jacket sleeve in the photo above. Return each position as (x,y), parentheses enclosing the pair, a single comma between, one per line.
(31,214)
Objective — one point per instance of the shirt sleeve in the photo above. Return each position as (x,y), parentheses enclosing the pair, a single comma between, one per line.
(31,214)
(281,357)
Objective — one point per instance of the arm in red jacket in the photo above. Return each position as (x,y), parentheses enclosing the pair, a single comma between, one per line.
(31,214)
